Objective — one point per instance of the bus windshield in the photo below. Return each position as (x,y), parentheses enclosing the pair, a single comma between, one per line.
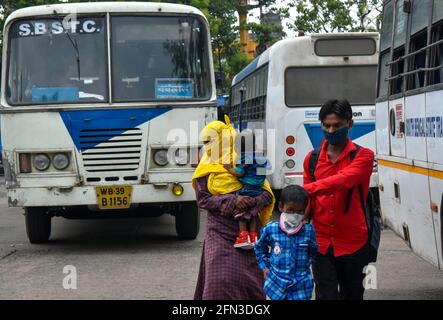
(312,86)
(159,58)
(153,58)
(43,66)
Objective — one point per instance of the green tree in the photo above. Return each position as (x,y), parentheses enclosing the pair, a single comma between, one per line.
(266,32)
(368,14)
(325,16)
(228,58)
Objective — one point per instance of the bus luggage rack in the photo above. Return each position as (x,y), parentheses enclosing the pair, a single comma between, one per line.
(110,150)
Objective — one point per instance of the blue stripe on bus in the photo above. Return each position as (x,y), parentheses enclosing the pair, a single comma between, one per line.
(115,122)
(359,129)
(250,68)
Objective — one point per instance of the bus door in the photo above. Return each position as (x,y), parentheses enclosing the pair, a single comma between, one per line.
(434,113)
(413,182)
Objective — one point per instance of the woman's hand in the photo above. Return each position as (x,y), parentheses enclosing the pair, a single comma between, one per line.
(243,202)
(265,273)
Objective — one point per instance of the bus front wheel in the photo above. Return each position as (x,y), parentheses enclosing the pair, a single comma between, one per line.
(187,221)
(38,224)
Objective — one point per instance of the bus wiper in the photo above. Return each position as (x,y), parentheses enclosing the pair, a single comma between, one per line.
(73,42)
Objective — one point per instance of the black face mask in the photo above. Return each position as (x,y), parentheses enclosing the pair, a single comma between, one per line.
(337,136)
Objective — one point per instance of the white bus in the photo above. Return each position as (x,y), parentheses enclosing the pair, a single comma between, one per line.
(409,124)
(90,94)
(284,88)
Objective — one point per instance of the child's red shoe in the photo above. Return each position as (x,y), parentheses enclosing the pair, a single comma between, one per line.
(253,236)
(243,241)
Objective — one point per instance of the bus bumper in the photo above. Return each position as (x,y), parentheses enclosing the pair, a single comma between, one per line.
(86,195)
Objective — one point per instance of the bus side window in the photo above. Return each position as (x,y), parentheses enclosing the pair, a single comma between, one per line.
(436,76)
(419,23)
(396,69)
(383,74)
(386,31)
(401,18)
(417,61)
(385,45)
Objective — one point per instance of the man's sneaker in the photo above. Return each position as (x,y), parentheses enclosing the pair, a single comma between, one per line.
(243,241)
(253,237)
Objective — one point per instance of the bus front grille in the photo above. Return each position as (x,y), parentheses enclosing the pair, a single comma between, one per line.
(110,150)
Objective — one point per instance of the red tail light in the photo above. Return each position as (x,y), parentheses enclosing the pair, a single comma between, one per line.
(290,139)
(290,152)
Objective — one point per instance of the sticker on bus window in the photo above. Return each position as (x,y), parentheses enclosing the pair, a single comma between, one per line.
(174,89)
(55,94)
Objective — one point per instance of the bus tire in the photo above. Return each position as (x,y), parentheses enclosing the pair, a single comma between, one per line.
(187,221)
(38,224)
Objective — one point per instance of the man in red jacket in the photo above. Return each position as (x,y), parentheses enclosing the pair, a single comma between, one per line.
(342,233)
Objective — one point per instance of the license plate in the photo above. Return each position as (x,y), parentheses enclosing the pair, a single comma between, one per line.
(115,197)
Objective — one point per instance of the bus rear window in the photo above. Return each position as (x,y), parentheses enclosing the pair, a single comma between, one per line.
(312,86)
(345,47)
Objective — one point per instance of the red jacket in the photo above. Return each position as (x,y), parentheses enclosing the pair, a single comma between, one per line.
(346,231)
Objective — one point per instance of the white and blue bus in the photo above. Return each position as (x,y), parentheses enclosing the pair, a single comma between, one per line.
(90,94)
(409,124)
(282,91)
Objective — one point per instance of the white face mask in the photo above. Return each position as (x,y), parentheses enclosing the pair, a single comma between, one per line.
(293,219)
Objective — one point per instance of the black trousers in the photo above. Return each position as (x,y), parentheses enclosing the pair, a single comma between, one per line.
(340,278)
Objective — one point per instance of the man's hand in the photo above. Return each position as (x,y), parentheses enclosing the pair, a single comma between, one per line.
(243,202)
(227,167)
(265,273)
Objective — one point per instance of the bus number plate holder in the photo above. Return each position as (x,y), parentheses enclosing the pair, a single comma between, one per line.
(114,197)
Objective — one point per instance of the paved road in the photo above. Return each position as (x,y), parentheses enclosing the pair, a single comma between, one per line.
(142,259)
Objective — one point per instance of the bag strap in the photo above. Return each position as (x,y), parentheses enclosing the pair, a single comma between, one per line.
(352,155)
(367,219)
(313,159)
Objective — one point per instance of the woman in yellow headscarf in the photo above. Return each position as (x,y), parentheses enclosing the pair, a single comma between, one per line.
(225,272)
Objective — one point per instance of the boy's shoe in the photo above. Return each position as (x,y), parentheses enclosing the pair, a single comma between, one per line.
(243,241)
(253,237)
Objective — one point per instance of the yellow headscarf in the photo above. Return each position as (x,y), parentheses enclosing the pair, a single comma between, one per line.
(221,141)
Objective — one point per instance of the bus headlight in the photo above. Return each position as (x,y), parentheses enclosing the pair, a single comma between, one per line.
(60,161)
(161,157)
(41,162)
(181,157)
